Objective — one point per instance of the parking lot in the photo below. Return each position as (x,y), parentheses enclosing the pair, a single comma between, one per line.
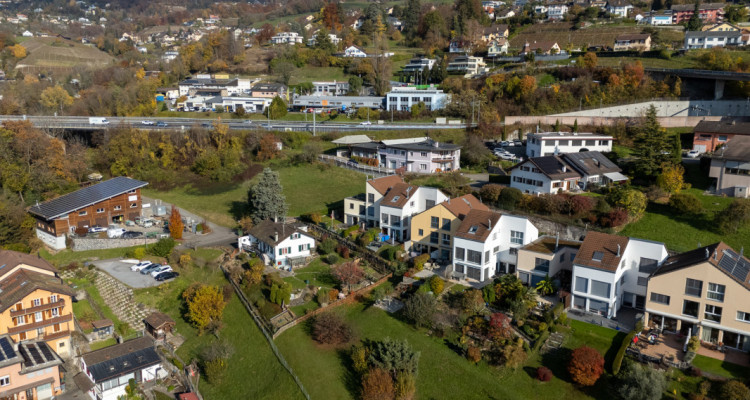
(121,271)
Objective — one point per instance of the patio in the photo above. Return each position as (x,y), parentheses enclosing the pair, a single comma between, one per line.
(668,347)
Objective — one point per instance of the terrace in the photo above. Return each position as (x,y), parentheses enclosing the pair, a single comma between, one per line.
(667,347)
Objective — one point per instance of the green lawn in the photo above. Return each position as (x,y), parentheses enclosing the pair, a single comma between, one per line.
(254,371)
(719,367)
(443,373)
(95,297)
(81,308)
(316,273)
(65,257)
(309,74)
(103,344)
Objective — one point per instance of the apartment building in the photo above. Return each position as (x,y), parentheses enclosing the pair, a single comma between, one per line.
(553,143)
(403,98)
(468,66)
(365,208)
(709,13)
(567,172)
(29,370)
(402,202)
(421,155)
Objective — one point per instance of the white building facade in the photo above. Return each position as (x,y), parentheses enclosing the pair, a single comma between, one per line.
(552,143)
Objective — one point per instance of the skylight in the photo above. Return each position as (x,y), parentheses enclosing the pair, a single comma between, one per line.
(598,256)
(395,199)
(473,229)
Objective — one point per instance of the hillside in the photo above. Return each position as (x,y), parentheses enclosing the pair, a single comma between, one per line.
(596,35)
(53,54)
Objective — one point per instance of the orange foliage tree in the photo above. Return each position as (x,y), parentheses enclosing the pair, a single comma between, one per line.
(268,149)
(175,224)
(377,385)
(586,366)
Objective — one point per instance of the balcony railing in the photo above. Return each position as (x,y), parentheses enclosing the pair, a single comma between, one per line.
(40,324)
(32,310)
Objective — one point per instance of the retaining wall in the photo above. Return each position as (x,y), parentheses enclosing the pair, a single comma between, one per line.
(82,244)
(666,122)
(669,108)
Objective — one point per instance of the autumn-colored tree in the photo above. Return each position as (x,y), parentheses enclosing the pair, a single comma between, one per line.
(377,385)
(205,305)
(348,273)
(330,15)
(590,60)
(472,300)
(330,328)
(17,50)
(254,273)
(265,33)
(499,327)
(473,354)
(544,374)
(176,225)
(586,366)
(671,178)
(268,149)
(55,98)
(405,386)
(527,86)
(437,285)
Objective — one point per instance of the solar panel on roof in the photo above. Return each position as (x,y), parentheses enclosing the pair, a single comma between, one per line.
(7,348)
(46,351)
(35,354)
(735,265)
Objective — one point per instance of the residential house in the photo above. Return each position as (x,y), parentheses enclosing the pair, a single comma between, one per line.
(337,102)
(619,8)
(497,47)
(29,370)
(330,88)
(547,256)
(231,87)
(422,155)
(355,52)
(494,32)
(709,135)
(711,39)
(35,304)
(269,90)
(557,11)
(419,64)
(404,97)
(504,13)
(170,55)
(432,230)
(486,243)
(159,325)
(402,202)
(721,27)
(659,18)
(540,9)
(365,208)
(556,143)
(460,46)
(290,38)
(730,166)
(335,40)
(705,293)
(545,48)
(106,371)
(563,173)
(228,103)
(611,271)
(709,13)
(395,22)
(633,42)
(467,66)
(27,34)
(279,244)
(114,200)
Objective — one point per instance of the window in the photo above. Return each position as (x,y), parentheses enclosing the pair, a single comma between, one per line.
(496,250)
(473,229)
(434,222)
(99,210)
(434,237)
(133,205)
(423,167)
(82,213)
(715,291)
(647,265)
(37,302)
(582,285)
(429,203)
(370,198)
(562,257)
(600,289)
(5,380)
(421,232)
(591,143)
(516,237)
(722,138)
(351,206)
(541,264)
(597,256)
(513,251)
(395,199)
(659,298)
(39,332)
(473,256)
(459,253)
(385,218)
(690,308)
(38,316)
(56,327)
(446,239)
(53,298)
(713,313)
(423,154)
(446,224)
(743,316)
(117,208)
(486,256)
(693,287)
(642,281)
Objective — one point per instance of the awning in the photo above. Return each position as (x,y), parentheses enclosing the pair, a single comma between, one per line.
(616,176)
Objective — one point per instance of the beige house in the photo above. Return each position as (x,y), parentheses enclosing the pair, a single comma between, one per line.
(704,292)
(546,256)
(730,166)
(633,42)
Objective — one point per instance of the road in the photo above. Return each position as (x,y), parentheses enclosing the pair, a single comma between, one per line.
(82,123)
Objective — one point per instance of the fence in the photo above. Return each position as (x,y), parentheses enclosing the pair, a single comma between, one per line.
(376,262)
(365,169)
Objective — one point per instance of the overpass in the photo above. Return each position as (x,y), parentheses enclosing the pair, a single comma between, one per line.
(82,123)
(719,77)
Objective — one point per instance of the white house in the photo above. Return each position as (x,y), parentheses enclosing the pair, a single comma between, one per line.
(497,47)
(619,8)
(402,202)
(27,34)
(566,172)
(403,98)
(365,208)
(331,36)
(286,38)
(552,143)
(468,66)
(546,256)
(354,51)
(710,39)
(278,243)
(106,371)
(557,11)
(612,271)
(486,243)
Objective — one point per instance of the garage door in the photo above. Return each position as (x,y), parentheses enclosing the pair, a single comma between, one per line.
(102,221)
(83,223)
(44,392)
(700,147)
(474,273)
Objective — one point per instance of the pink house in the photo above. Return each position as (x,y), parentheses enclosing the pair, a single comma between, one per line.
(28,370)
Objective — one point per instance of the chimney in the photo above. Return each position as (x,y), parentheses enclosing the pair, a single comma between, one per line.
(276,236)
(618,250)
(557,241)
(489,223)
(564,168)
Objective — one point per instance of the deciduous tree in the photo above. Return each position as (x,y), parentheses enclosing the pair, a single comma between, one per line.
(672,178)
(586,365)
(176,226)
(55,98)
(268,148)
(330,328)
(205,305)
(419,308)
(348,273)
(377,385)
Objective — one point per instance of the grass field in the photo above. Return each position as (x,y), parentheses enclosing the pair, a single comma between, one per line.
(719,367)
(102,344)
(67,256)
(443,373)
(51,53)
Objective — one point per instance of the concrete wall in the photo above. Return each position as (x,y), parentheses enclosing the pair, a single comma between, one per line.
(82,244)
(676,108)
(666,122)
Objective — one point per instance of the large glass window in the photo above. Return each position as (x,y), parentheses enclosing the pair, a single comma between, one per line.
(474,256)
(599,307)
(541,265)
(486,256)
(690,308)
(659,298)
(446,224)
(434,237)
(459,253)
(713,313)
(693,287)
(434,222)
(715,291)
(516,237)
(647,265)
(582,285)
(600,289)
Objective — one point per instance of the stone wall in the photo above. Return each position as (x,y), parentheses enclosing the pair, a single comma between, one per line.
(547,227)
(82,244)
(667,122)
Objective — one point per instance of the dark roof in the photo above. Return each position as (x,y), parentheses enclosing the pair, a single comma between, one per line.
(719,255)
(686,259)
(737,149)
(121,359)
(618,3)
(102,323)
(460,206)
(83,382)
(706,34)
(425,146)
(85,197)
(384,184)
(552,167)
(732,126)
(266,231)
(704,6)
(269,86)
(606,248)
(634,36)
(476,225)
(8,354)
(546,244)
(590,163)
(158,319)
(37,355)
(10,259)
(23,282)
(399,195)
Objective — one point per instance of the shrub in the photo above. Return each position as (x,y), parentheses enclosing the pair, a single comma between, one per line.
(544,374)
(405,386)
(617,363)
(510,198)
(632,200)
(393,356)
(581,205)
(694,343)
(490,193)
(437,284)
(735,216)
(327,246)
(333,295)
(359,356)
(686,203)
(614,218)
(139,252)
(162,248)
(330,328)
(418,261)
(641,382)
(420,308)
(514,354)
(473,354)
(586,366)
(377,385)
(343,251)
(185,260)
(734,390)
(81,231)
(695,371)
(332,258)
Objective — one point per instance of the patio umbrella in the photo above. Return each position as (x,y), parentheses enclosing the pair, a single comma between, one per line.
(687,339)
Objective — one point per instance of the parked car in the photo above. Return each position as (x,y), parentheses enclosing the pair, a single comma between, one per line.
(131,235)
(504,143)
(510,144)
(141,265)
(365,123)
(97,229)
(161,124)
(517,142)
(115,232)
(147,122)
(150,268)
(165,276)
(693,153)
(162,268)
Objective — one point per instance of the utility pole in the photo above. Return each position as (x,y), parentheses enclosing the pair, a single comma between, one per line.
(313,122)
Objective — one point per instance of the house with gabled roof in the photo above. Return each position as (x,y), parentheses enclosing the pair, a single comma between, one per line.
(29,370)
(486,243)
(400,204)
(563,173)
(703,292)
(546,256)
(730,165)
(611,271)
(365,208)
(279,244)
(115,200)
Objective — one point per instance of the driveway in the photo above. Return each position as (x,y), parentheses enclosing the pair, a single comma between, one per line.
(219,236)
(121,271)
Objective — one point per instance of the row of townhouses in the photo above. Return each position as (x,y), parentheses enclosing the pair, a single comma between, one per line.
(420,155)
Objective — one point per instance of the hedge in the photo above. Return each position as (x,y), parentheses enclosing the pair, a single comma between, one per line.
(617,363)
(540,341)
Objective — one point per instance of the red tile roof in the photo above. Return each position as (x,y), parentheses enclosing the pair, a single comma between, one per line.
(460,206)
(480,222)
(606,246)
(383,184)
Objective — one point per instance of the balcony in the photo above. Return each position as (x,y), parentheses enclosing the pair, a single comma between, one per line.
(32,310)
(40,324)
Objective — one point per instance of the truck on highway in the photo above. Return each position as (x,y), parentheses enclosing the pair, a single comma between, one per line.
(98,121)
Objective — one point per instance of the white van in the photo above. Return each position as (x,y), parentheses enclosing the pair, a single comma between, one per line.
(98,121)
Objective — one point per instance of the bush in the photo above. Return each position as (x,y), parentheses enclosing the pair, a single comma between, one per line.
(405,386)
(473,354)
(420,308)
(641,382)
(735,216)
(81,231)
(377,385)
(330,328)
(544,374)
(694,344)
(695,371)
(586,365)
(162,248)
(332,258)
(617,363)
(686,203)
(734,390)
(327,246)
(490,193)
(615,218)
(437,285)
(418,261)
(343,251)
(510,198)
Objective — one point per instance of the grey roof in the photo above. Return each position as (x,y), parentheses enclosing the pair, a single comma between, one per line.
(737,126)
(552,167)
(266,231)
(269,86)
(85,197)
(737,149)
(704,6)
(214,82)
(590,163)
(37,355)
(337,100)
(352,139)
(706,34)
(121,359)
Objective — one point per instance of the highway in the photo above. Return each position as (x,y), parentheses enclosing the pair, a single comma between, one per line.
(82,123)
